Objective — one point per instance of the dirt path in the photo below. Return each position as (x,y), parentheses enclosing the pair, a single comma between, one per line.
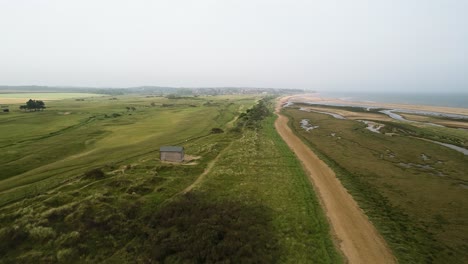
(206,171)
(358,239)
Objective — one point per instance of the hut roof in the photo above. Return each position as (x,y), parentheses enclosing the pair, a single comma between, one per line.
(171,149)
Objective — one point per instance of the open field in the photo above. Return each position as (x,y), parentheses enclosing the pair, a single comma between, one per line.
(81,182)
(21,98)
(73,136)
(414,191)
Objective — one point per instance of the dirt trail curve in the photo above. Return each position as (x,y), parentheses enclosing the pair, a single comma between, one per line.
(358,239)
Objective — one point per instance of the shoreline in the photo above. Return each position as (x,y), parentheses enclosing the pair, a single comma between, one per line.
(317,98)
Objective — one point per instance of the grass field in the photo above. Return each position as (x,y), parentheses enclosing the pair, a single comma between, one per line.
(73,136)
(81,182)
(414,191)
(17,98)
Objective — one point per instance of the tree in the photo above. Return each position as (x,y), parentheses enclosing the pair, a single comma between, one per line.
(40,105)
(31,104)
(34,105)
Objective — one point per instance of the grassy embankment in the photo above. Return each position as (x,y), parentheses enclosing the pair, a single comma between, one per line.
(56,208)
(414,191)
(260,168)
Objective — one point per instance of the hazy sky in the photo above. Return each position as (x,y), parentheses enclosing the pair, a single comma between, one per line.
(398,45)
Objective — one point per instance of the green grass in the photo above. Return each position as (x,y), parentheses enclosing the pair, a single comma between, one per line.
(45,194)
(422,213)
(256,205)
(259,168)
(41,145)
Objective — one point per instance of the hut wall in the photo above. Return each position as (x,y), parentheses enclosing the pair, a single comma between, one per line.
(172,156)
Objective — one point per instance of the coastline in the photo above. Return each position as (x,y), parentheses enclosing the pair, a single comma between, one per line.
(317,98)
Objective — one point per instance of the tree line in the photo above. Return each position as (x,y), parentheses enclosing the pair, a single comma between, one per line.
(252,117)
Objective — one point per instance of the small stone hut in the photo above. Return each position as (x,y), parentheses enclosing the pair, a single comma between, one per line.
(171,153)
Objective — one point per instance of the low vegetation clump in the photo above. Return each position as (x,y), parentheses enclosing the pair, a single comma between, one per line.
(216,130)
(197,230)
(94,174)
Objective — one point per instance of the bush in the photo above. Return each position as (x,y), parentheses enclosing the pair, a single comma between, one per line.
(253,116)
(94,174)
(11,237)
(66,255)
(40,233)
(197,230)
(69,239)
(216,130)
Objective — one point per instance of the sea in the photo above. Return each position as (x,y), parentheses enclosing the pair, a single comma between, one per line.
(459,100)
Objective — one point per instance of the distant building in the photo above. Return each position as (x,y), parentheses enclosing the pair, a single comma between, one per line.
(171,153)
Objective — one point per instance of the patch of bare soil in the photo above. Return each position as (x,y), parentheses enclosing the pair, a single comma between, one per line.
(357,237)
(191,160)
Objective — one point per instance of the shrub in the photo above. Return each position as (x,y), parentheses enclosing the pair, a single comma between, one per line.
(66,255)
(59,213)
(11,237)
(197,230)
(40,233)
(94,174)
(216,130)
(69,239)
(253,117)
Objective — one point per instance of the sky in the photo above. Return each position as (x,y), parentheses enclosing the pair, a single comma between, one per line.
(322,45)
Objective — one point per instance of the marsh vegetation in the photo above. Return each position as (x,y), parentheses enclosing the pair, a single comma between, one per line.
(411,188)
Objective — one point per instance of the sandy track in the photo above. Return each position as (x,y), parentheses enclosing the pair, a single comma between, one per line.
(206,171)
(357,237)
